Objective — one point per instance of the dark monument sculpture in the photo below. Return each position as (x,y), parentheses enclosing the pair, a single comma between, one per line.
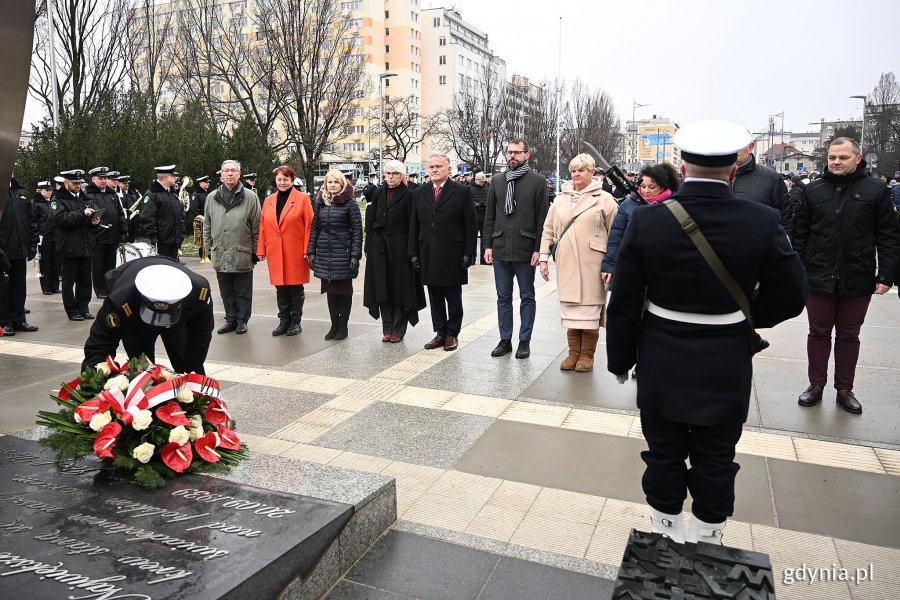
(16,38)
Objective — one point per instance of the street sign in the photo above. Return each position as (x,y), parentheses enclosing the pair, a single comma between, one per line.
(872,159)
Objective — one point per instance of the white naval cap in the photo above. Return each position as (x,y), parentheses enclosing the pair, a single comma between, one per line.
(170,169)
(73,175)
(162,287)
(99,172)
(46,185)
(711,143)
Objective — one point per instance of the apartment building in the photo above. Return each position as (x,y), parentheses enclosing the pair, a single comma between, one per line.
(649,141)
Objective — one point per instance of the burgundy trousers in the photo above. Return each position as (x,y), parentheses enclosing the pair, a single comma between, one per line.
(845,315)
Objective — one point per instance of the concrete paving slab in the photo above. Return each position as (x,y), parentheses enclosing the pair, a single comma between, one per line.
(261,410)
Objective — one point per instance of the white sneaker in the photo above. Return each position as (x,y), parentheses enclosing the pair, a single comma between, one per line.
(671,526)
(701,531)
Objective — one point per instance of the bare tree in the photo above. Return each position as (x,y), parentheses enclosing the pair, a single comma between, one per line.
(151,37)
(883,123)
(539,128)
(591,117)
(90,55)
(403,125)
(312,46)
(476,126)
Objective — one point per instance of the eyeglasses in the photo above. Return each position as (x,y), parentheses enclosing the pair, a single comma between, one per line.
(516,151)
(393,173)
(231,170)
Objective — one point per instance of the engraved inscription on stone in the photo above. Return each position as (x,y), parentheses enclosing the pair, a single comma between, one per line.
(69,534)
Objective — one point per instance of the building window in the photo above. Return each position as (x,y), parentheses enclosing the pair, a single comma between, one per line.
(387,14)
(387,49)
(217,89)
(442,80)
(359,112)
(351,5)
(240,4)
(387,82)
(442,41)
(414,16)
(442,59)
(387,31)
(436,22)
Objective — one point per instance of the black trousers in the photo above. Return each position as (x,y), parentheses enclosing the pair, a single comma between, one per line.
(237,295)
(103,260)
(76,284)
(290,299)
(175,340)
(49,266)
(711,477)
(446,307)
(12,298)
(170,250)
(393,319)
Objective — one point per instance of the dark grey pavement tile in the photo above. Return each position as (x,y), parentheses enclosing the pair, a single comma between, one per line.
(779,383)
(591,463)
(410,434)
(261,410)
(515,579)
(841,503)
(347,590)
(26,383)
(420,567)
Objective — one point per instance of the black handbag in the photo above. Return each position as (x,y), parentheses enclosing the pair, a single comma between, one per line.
(692,230)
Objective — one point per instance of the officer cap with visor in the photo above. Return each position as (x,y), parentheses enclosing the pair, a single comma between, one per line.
(124,178)
(202,179)
(163,289)
(250,176)
(165,170)
(73,175)
(711,143)
(99,172)
(44,185)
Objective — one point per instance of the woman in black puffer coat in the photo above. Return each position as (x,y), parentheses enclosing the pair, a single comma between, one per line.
(335,247)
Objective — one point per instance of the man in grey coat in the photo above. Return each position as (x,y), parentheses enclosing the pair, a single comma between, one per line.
(517,206)
(230,231)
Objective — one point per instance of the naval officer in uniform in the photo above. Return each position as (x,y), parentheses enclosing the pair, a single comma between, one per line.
(694,344)
(149,298)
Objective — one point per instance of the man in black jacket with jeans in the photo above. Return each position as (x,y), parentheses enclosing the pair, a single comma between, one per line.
(517,205)
(844,219)
(761,184)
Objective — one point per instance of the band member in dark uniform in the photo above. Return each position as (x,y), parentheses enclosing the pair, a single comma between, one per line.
(128,197)
(75,218)
(149,298)
(49,262)
(162,214)
(111,232)
(695,345)
(19,240)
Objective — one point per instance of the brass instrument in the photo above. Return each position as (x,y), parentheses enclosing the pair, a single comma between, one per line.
(135,208)
(183,194)
(198,239)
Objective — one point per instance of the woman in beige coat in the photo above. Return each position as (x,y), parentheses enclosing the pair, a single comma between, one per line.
(579,256)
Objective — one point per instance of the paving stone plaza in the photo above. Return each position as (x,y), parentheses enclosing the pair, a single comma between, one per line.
(515,479)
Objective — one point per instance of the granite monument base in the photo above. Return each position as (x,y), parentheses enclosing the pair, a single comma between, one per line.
(656,567)
(74,534)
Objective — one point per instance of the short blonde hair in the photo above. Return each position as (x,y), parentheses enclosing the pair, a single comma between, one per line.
(396,165)
(336,175)
(582,161)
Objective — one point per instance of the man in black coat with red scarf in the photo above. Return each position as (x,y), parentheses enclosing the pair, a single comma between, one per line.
(442,236)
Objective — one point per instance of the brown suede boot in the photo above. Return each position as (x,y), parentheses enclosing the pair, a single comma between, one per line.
(588,347)
(574,337)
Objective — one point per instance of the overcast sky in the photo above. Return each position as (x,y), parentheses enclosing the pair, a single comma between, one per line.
(697,59)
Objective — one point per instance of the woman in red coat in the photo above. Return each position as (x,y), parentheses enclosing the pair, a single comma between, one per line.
(283,236)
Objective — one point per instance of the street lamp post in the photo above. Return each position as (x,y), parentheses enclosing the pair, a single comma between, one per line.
(634,106)
(381,79)
(862,135)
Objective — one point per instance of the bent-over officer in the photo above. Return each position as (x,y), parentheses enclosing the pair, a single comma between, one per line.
(149,298)
(694,344)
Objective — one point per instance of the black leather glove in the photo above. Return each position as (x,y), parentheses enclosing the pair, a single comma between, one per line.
(32,252)
(354,267)
(312,261)
(254,258)
(4,281)
(466,261)
(415,262)
(153,241)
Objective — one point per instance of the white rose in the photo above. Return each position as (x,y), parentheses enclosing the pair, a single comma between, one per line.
(196,433)
(167,375)
(185,395)
(196,421)
(119,381)
(144,452)
(142,420)
(179,435)
(100,420)
(78,419)
(103,367)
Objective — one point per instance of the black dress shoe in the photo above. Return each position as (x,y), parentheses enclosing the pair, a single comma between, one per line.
(227,328)
(23,326)
(810,396)
(8,331)
(27,311)
(524,350)
(241,328)
(76,318)
(87,315)
(504,347)
(848,402)
(48,293)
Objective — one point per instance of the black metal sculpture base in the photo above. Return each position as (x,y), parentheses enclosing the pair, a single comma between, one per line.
(658,568)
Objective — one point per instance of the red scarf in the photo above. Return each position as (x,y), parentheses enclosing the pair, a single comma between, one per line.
(658,198)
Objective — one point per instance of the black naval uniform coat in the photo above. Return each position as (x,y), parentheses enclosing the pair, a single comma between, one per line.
(186,342)
(162,217)
(442,232)
(699,374)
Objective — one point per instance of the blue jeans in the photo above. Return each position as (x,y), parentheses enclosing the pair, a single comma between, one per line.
(503,280)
